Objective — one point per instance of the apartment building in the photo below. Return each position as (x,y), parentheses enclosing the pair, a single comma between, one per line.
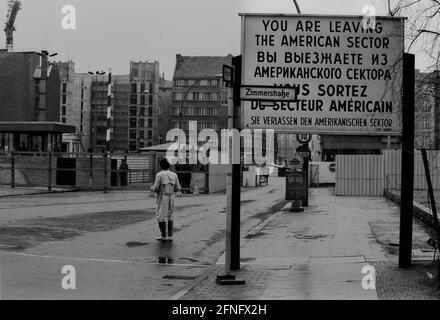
(427,110)
(198,93)
(143,120)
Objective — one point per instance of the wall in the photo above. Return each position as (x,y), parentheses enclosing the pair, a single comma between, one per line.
(359,175)
(392,163)
(370,175)
(217,177)
(17,94)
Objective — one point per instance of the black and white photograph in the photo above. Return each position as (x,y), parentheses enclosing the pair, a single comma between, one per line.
(219,157)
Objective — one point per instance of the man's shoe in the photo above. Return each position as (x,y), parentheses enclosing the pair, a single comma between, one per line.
(161,239)
(169,238)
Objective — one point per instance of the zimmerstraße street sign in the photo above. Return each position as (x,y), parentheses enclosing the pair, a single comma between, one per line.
(267,93)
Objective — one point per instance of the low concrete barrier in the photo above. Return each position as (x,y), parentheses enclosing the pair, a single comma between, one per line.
(420,211)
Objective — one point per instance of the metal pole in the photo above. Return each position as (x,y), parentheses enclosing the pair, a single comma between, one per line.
(12,170)
(236,167)
(432,200)
(105,172)
(49,185)
(91,171)
(228,251)
(407,175)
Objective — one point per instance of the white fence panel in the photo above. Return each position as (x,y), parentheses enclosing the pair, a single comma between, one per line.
(359,175)
(392,159)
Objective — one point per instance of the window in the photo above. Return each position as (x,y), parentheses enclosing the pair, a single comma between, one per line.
(63,111)
(150,99)
(132,146)
(426,122)
(141,123)
(178,96)
(142,88)
(134,88)
(142,112)
(133,111)
(150,134)
(132,134)
(133,123)
(150,111)
(141,134)
(64,99)
(133,99)
(151,88)
(64,87)
(142,99)
(150,123)
(180,83)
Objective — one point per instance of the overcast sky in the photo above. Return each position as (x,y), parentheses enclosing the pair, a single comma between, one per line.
(110,32)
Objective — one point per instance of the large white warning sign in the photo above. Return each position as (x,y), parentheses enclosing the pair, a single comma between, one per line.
(347,73)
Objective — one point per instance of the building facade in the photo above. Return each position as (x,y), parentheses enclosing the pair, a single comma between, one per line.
(75,106)
(29,103)
(427,110)
(144,105)
(98,115)
(165,106)
(199,94)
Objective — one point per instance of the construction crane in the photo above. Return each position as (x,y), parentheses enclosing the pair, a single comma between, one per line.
(13,7)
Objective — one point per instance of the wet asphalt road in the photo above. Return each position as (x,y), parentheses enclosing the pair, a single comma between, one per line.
(109,239)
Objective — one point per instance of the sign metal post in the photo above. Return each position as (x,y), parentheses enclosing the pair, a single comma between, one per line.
(407,170)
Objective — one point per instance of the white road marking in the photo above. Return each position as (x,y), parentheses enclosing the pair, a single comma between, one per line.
(107,260)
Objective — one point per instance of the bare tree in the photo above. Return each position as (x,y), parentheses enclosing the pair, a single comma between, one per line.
(422,27)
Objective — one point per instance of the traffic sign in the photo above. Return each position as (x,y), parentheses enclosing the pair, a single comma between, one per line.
(303,138)
(228,75)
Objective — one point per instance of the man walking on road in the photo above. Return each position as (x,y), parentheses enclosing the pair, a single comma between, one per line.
(166,185)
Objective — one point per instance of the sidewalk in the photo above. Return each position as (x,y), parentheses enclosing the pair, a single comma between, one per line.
(320,253)
(7,191)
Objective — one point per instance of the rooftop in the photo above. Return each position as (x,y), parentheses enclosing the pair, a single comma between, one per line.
(200,66)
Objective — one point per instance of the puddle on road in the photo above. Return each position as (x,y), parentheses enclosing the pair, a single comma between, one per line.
(135,244)
(165,260)
(179,277)
(190,259)
(255,235)
(310,237)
